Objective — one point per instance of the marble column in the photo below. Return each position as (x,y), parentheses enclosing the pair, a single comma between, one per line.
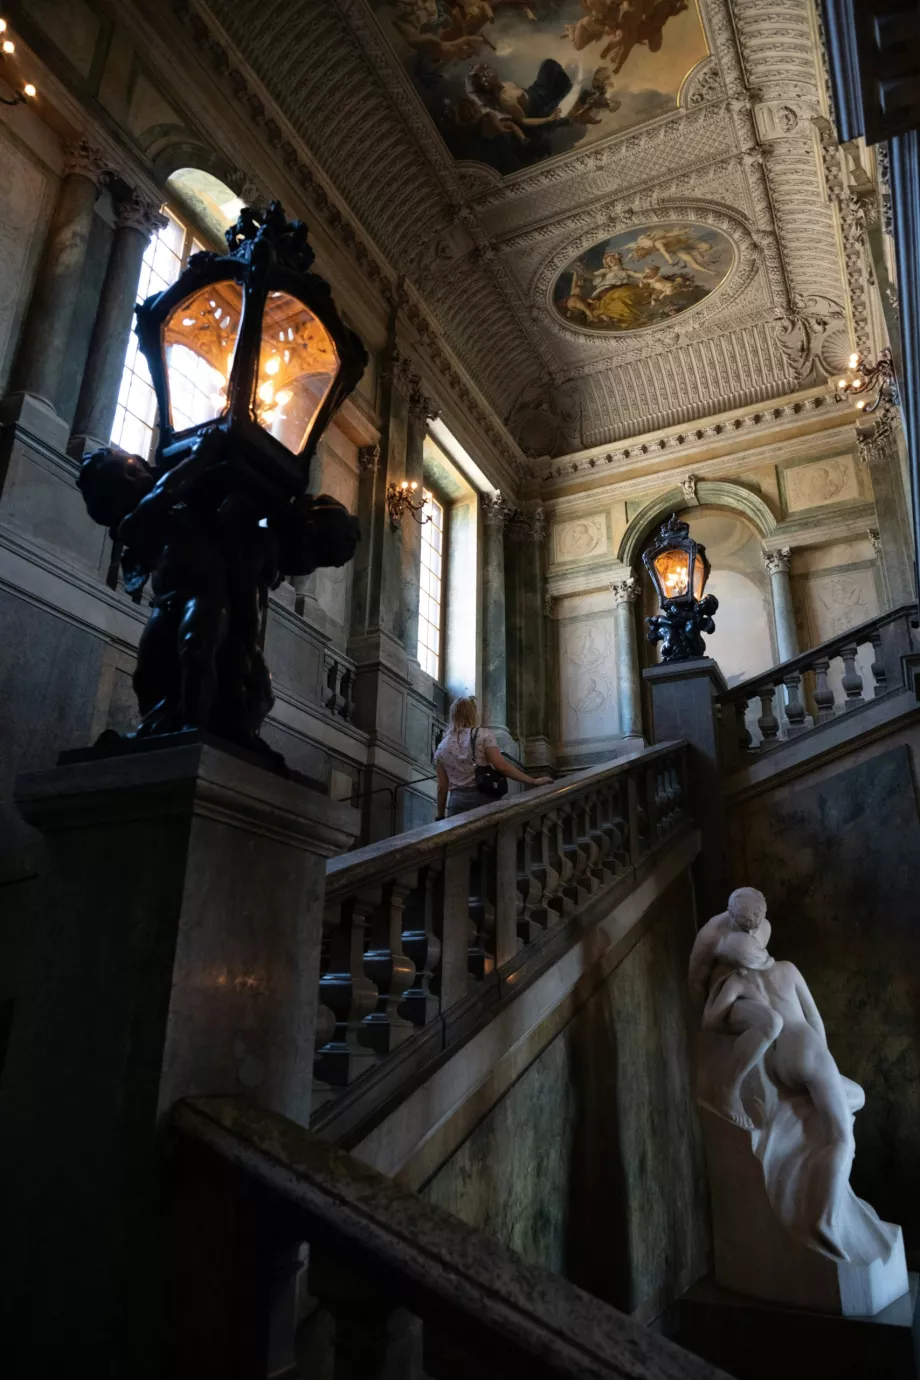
(495,514)
(136,219)
(421,412)
(45,338)
(626,592)
(777,565)
(528,658)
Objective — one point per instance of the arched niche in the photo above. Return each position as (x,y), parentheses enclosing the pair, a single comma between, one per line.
(744,641)
(709,493)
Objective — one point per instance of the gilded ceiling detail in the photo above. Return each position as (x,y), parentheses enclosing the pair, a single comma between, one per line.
(508,253)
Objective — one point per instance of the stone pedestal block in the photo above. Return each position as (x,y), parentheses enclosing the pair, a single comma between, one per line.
(683,705)
(174,951)
(759,1341)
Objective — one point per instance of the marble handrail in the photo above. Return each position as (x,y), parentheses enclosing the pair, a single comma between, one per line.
(375,1248)
(801,694)
(413,923)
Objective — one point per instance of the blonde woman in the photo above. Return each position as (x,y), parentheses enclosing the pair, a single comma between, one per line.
(458,757)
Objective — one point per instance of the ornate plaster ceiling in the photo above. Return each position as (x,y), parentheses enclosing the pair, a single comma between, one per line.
(728,141)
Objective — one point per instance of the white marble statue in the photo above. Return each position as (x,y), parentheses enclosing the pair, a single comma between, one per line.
(766,1070)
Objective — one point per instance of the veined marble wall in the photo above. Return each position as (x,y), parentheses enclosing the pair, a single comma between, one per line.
(27,189)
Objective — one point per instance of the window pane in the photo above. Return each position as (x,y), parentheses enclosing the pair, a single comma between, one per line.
(429,613)
(134,419)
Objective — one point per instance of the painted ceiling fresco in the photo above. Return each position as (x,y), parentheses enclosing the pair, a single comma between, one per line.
(642,277)
(511,82)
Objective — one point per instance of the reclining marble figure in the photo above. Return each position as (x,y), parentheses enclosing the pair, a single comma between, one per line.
(778,1122)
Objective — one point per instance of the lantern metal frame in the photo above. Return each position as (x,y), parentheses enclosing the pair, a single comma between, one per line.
(683,617)
(265,254)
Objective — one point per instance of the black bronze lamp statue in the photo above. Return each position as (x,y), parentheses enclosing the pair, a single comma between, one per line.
(679,569)
(223,512)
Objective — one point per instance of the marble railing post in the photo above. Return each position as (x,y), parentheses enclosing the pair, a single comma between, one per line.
(777,565)
(495,515)
(40,360)
(625,594)
(136,219)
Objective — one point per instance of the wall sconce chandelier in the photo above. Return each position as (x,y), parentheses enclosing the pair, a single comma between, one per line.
(400,500)
(7,49)
(679,569)
(870,384)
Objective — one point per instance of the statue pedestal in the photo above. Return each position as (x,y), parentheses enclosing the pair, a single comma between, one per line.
(752,1340)
(754,1254)
(174,951)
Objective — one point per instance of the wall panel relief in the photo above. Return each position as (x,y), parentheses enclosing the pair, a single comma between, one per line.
(821,483)
(588,702)
(580,538)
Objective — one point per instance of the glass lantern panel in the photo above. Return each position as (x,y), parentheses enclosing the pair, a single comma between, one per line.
(672,569)
(699,577)
(199,337)
(298,364)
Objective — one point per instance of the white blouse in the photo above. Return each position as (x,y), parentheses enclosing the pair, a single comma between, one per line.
(455,755)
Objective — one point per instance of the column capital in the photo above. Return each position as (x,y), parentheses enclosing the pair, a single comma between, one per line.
(495,511)
(875,537)
(137,212)
(688,487)
(626,591)
(527,525)
(778,562)
(85,160)
(878,438)
(421,407)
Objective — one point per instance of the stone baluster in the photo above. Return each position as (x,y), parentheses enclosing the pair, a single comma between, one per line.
(575,860)
(509,905)
(638,828)
(743,732)
(795,707)
(558,869)
(824,695)
(422,946)
(626,592)
(136,219)
(389,969)
(43,346)
(530,881)
(648,794)
(879,669)
(456,929)
(601,857)
(481,951)
(346,990)
(852,680)
(768,723)
(346,690)
(495,514)
(592,874)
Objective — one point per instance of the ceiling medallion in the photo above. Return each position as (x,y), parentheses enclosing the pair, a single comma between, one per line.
(641,277)
(509,83)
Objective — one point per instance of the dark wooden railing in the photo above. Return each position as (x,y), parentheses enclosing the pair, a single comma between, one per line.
(802,694)
(252,1186)
(415,925)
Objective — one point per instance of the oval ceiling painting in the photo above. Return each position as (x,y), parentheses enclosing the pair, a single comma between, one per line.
(642,277)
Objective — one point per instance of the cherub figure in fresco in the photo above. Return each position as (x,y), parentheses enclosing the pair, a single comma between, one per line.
(665,285)
(612,295)
(441,52)
(598,18)
(595,98)
(624,23)
(471,16)
(675,244)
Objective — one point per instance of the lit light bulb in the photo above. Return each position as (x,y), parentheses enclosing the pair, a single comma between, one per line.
(29,90)
(2,26)
(854,360)
(842,383)
(413,486)
(861,404)
(273,365)
(404,485)
(9,46)
(284,397)
(267,392)
(858,382)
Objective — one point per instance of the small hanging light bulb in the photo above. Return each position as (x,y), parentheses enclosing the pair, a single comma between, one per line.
(9,46)
(273,365)
(29,90)
(2,26)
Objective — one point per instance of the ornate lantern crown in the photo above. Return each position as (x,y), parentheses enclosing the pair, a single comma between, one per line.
(265,357)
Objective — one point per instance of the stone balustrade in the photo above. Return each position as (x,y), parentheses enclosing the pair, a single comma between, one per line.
(818,686)
(417,926)
(338,685)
